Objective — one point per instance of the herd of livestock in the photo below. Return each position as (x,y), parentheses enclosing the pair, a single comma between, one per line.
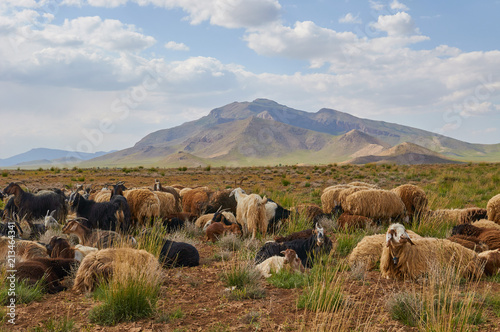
(117,215)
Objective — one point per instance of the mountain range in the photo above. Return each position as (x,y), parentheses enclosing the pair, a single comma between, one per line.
(263,132)
(48,157)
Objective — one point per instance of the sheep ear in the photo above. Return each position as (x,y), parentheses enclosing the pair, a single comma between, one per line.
(388,237)
(407,237)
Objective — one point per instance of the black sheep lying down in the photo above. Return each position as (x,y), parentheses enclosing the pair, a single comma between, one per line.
(176,254)
(307,249)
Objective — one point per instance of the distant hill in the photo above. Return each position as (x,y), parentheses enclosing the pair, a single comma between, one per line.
(406,154)
(264,132)
(45,157)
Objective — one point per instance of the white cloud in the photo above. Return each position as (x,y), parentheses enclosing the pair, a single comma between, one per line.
(375,5)
(225,13)
(171,45)
(399,24)
(349,18)
(396,5)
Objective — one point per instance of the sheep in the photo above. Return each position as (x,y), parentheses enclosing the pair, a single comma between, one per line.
(60,248)
(276,263)
(490,236)
(351,222)
(307,249)
(31,206)
(470,242)
(225,216)
(251,212)
(50,270)
(168,204)
(486,224)
(470,215)
(196,200)
(493,209)
(23,249)
(403,257)
(101,196)
(344,193)
(203,220)
(144,205)
(178,254)
(94,238)
(275,213)
(451,215)
(492,261)
(330,199)
(379,205)
(103,264)
(414,199)
(363,184)
(106,215)
(221,200)
(171,190)
(367,252)
(184,191)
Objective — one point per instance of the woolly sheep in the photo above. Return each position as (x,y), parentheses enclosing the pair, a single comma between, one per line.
(403,257)
(490,236)
(486,224)
(196,200)
(367,252)
(103,264)
(413,197)
(51,270)
(168,204)
(470,215)
(350,222)
(251,213)
(375,204)
(144,205)
(493,209)
(469,242)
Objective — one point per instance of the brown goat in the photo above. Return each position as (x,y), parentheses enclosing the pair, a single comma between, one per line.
(196,201)
(54,270)
(217,229)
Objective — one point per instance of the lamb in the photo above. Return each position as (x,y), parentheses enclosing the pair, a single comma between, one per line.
(367,252)
(375,204)
(31,206)
(490,236)
(350,222)
(276,263)
(103,264)
(469,242)
(403,257)
(251,212)
(470,215)
(51,270)
(60,248)
(106,215)
(178,254)
(493,209)
(307,249)
(95,238)
(414,199)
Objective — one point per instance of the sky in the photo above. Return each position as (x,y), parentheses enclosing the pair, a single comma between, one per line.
(98,75)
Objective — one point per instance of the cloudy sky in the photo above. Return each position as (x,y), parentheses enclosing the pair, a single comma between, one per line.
(94,75)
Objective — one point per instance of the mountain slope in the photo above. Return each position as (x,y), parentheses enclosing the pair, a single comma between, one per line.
(264,129)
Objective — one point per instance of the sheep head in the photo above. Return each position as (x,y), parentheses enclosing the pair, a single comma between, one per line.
(319,234)
(396,234)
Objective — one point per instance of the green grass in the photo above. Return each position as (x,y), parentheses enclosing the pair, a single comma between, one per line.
(287,279)
(168,317)
(24,293)
(243,281)
(128,300)
(64,324)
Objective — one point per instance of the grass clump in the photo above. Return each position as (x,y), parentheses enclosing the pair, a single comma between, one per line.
(287,279)
(243,282)
(168,317)
(24,293)
(64,324)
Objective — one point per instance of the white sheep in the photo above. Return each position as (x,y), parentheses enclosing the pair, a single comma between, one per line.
(251,212)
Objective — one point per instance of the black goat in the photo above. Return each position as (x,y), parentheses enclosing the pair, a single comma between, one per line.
(6,229)
(105,215)
(31,206)
(280,214)
(173,224)
(175,254)
(307,249)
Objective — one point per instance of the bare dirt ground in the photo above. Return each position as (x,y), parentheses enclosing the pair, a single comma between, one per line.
(199,292)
